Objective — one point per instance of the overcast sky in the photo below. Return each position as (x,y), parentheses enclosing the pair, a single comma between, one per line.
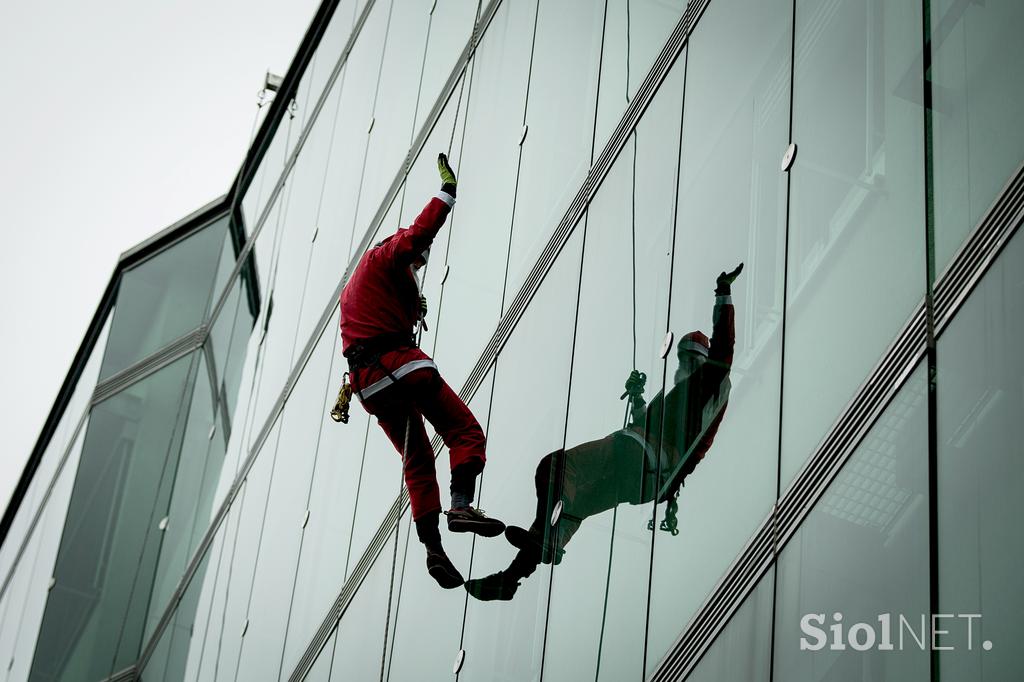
(117,118)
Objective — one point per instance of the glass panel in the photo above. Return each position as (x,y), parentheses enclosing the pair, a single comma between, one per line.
(874,514)
(598,609)
(21,526)
(71,425)
(257,195)
(329,50)
(394,106)
(225,265)
(487,164)
(980,475)
(163,298)
(77,406)
(359,642)
(209,630)
(244,348)
(978,103)
(324,559)
(420,600)
(94,615)
(288,270)
(338,233)
(48,531)
(856,235)
(450,28)
(560,113)
(19,594)
(723,416)
(228,341)
(634,33)
(504,639)
(198,470)
(283,532)
(171,655)
(742,650)
(252,508)
(380,482)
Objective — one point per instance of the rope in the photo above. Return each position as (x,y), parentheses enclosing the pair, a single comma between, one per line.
(401,485)
(629,399)
(458,105)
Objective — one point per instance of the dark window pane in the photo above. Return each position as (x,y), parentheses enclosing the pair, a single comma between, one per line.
(196,474)
(105,566)
(163,298)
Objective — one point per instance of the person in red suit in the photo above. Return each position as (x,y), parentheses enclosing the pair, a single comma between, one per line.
(648,460)
(399,384)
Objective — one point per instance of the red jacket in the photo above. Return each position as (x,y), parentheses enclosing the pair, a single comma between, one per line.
(382,296)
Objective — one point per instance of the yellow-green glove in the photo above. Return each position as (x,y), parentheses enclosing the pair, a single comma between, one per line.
(448,181)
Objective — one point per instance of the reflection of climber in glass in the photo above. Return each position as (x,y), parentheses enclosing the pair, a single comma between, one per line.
(662,443)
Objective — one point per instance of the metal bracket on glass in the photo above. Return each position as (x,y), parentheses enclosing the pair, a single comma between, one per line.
(316,231)
(305,519)
(163,523)
(272,82)
(788,157)
(245,628)
(370,127)
(666,345)
(556,513)
(213,430)
(293,107)
(460,658)
(444,277)
(522,135)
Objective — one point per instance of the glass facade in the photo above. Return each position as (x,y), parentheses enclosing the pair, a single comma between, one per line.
(200,516)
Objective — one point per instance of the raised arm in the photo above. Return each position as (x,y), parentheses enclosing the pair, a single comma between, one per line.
(723,334)
(408,243)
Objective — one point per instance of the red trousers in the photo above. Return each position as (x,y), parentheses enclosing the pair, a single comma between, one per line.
(402,406)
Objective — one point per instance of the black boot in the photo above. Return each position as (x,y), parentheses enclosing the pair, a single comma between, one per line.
(441,569)
(470,520)
(533,542)
(502,586)
(498,586)
(439,566)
